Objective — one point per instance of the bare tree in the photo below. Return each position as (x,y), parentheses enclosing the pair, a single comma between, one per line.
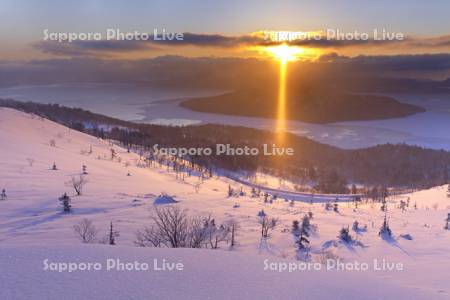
(86,231)
(172,224)
(197,186)
(77,183)
(215,234)
(148,237)
(174,228)
(233,226)
(267,224)
(198,232)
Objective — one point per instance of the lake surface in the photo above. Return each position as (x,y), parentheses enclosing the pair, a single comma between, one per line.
(160,106)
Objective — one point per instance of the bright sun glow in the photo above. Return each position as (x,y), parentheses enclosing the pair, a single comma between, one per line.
(285,53)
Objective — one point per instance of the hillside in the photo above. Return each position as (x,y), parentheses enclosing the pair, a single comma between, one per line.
(396,165)
(33,227)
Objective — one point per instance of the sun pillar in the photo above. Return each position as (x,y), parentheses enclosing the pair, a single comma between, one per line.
(281,108)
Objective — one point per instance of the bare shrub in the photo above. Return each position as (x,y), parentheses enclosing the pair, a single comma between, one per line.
(216,234)
(174,228)
(148,237)
(325,257)
(77,183)
(198,233)
(86,231)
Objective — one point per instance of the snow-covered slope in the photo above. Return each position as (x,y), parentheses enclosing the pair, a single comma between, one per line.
(206,275)
(32,228)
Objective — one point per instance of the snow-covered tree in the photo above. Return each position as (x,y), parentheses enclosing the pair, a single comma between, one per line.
(216,234)
(3,195)
(267,225)
(306,224)
(344,235)
(301,234)
(358,228)
(385,230)
(65,202)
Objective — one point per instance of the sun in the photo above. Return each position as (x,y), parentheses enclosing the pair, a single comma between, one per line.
(285,53)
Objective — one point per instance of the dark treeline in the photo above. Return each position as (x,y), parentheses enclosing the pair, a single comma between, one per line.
(326,167)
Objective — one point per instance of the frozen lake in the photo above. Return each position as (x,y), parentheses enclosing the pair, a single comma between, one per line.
(130,102)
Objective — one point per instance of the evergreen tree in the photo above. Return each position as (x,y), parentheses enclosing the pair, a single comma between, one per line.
(112,235)
(296,228)
(3,195)
(383,205)
(336,207)
(447,222)
(301,233)
(385,230)
(302,242)
(230,191)
(306,224)
(354,189)
(355,226)
(65,202)
(345,236)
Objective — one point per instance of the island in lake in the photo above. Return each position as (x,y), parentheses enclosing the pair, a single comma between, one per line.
(324,106)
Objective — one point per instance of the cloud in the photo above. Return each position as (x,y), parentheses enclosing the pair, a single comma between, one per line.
(220,73)
(109,48)
(80,48)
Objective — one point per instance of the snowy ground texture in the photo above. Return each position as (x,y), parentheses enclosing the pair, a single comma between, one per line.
(33,228)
